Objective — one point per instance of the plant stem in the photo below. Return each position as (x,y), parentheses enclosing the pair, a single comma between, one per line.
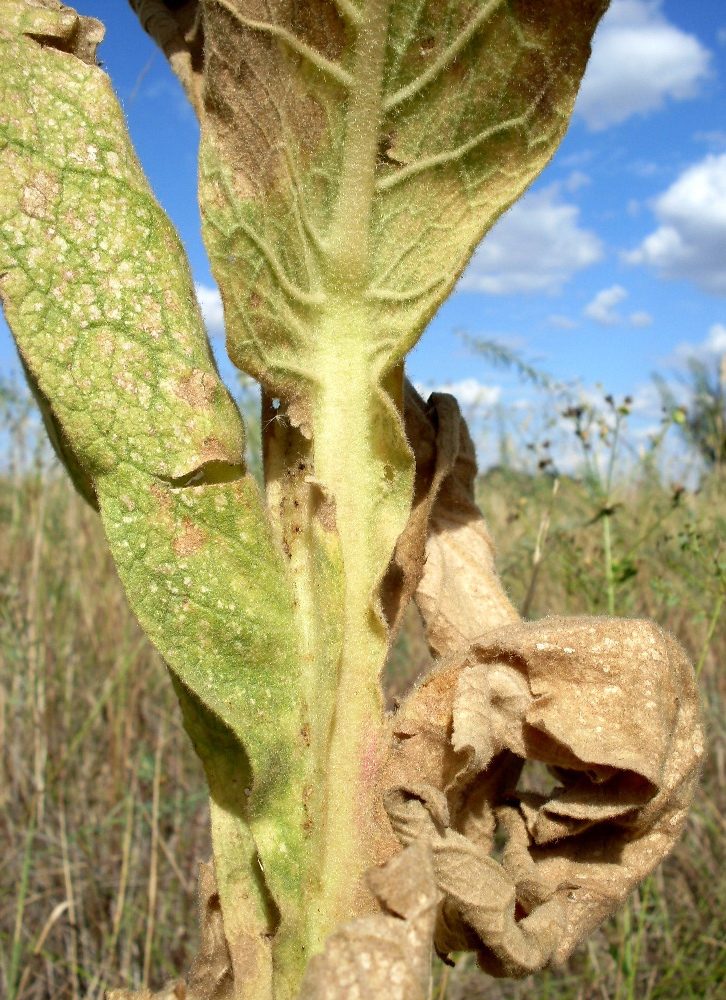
(539,548)
(609,579)
(709,635)
(606,534)
(17,947)
(346,461)
(154,866)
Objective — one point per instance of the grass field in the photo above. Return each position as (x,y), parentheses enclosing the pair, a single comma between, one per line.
(102,804)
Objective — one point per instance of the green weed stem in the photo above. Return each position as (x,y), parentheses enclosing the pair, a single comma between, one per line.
(608,551)
(710,633)
(17,946)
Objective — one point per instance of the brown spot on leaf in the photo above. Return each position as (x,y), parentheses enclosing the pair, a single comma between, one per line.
(323,506)
(39,195)
(126,381)
(105,342)
(212,448)
(198,388)
(161,495)
(190,540)
(254,91)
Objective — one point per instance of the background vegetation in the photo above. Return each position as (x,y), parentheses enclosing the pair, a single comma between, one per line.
(102,802)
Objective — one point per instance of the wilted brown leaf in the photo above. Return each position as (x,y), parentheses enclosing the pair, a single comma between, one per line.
(211,976)
(386,956)
(178,31)
(459,592)
(445,555)
(611,708)
(433,431)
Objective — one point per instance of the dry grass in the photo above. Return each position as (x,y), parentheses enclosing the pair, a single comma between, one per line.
(669,554)
(103,804)
(97,874)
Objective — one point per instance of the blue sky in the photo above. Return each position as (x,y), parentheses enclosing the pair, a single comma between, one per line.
(613,265)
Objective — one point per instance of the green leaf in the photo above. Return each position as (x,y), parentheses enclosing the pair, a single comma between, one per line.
(98,294)
(353,154)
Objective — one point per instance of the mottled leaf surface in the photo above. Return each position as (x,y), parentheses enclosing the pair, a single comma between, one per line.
(610,707)
(353,154)
(98,294)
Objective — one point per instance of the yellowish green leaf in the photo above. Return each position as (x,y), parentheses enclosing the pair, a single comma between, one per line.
(99,297)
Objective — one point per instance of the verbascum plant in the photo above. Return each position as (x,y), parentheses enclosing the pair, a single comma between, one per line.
(353,154)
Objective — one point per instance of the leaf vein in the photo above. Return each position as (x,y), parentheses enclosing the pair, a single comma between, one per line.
(297,45)
(450,155)
(349,11)
(447,56)
(388,295)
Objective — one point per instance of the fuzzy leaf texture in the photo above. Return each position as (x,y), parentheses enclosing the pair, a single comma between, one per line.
(98,294)
(353,155)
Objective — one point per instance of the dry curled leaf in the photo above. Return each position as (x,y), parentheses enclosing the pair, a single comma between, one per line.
(459,593)
(211,976)
(386,956)
(445,555)
(433,431)
(178,31)
(52,25)
(610,708)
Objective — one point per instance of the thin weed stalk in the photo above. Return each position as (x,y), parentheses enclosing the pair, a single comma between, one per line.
(17,945)
(70,899)
(715,614)
(154,867)
(539,550)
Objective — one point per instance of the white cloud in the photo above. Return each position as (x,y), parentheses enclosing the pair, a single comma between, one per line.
(715,139)
(712,346)
(602,309)
(638,59)
(563,322)
(210,302)
(691,240)
(536,247)
(469,392)
(577,180)
(640,319)
(715,342)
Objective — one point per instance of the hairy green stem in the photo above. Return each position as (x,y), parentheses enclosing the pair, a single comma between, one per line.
(345,461)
